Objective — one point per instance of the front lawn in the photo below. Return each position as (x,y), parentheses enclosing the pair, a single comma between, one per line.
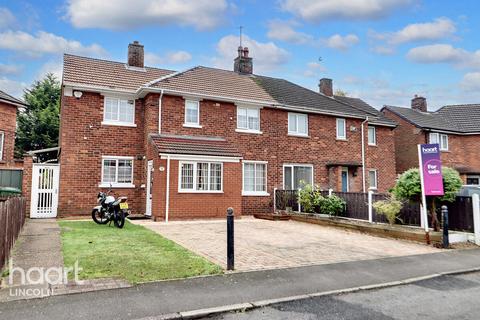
(133,253)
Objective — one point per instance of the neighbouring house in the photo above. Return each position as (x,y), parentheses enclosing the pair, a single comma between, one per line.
(190,144)
(456,128)
(8,125)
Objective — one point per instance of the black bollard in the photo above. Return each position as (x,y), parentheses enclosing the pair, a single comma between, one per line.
(230,240)
(445,226)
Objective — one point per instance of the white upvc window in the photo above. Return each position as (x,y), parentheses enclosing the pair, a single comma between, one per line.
(118,111)
(439,138)
(373,179)
(117,172)
(199,176)
(192,114)
(2,142)
(297,124)
(254,178)
(372,136)
(295,176)
(248,119)
(341,129)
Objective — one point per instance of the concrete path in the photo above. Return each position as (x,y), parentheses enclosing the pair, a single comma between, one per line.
(263,244)
(174,297)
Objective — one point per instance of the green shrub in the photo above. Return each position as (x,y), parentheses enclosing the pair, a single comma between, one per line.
(332,205)
(390,208)
(310,198)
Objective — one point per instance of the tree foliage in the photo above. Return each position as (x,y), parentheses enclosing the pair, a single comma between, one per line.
(341,93)
(38,123)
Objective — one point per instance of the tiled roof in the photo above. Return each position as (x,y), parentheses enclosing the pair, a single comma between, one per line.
(216,82)
(455,118)
(9,99)
(358,103)
(107,74)
(188,145)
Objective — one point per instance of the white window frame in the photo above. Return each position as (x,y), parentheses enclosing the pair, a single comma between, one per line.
(3,144)
(246,129)
(344,136)
(293,165)
(111,122)
(439,140)
(297,116)
(192,124)
(375,171)
(195,167)
(116,184)
(254,193)
(374,143)
(473,177)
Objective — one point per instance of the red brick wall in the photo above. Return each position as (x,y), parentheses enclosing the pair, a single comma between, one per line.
(27,182)
(8,122)
(84,140)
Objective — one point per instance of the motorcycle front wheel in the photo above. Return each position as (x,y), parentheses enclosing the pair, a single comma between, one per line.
(99,217)
(119,219)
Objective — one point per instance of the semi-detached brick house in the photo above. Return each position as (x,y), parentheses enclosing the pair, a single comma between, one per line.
(8,125)
(190,144)
(455,127)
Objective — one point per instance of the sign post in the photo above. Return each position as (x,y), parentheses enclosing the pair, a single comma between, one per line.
(430,167)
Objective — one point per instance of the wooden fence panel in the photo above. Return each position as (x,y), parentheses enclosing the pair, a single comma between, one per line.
(460,214)
(356,206)
(12,219)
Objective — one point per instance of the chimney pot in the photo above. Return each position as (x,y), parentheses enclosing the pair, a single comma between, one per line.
(135,55)
(326,87)
(419,103)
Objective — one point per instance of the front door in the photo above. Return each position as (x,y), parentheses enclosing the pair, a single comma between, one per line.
(148,208)
(345,180)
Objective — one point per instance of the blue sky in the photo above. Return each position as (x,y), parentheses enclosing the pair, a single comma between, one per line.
(383,51)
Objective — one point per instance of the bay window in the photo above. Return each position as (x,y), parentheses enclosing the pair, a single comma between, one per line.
(254,178)
(200,177)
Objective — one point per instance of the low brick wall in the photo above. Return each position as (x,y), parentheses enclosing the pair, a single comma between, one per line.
(381,230)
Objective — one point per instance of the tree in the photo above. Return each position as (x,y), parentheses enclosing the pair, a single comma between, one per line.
(408,187)
(38,122)
(341,93)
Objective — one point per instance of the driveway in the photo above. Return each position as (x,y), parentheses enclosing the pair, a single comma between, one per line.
(262,244)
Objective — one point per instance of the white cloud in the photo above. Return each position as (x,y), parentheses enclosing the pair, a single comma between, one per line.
(284,31)
(438,29)
(341,43)
(316,11)
(445,53)
(314,69)
(52,66)
(383,50)
(13,88)
(177,57)
(9,69)
(7,19)
(127,14)
(267,56)
(471,82)
(45,43)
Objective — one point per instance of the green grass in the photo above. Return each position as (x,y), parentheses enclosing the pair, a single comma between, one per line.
(133,253)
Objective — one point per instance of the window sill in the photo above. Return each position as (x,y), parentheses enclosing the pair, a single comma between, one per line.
(117,185)
(372,145)
(200,191)
(188,125)
(118,124)
(342,139)
(298,135)
(255,194)
(248,131)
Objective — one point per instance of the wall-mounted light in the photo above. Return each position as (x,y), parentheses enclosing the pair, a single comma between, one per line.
(77,94)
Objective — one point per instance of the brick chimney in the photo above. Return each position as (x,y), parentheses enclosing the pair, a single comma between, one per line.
(243,63)
(326,87)
(135,55)
(419,103)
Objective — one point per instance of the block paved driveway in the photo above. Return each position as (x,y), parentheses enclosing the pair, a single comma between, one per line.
(262,244)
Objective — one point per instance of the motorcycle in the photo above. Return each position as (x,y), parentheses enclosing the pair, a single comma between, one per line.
(110,209)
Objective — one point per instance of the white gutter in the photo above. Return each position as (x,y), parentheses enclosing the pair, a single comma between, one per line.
(167,200)
(363,155)
(160,112)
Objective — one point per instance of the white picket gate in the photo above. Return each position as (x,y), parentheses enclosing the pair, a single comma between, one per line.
(45,180)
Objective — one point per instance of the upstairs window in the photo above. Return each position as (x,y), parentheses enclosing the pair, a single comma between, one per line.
(372,136)
(248,119)
(192,113)
(119,111)
(439,138)
(341,129)
(297,124)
